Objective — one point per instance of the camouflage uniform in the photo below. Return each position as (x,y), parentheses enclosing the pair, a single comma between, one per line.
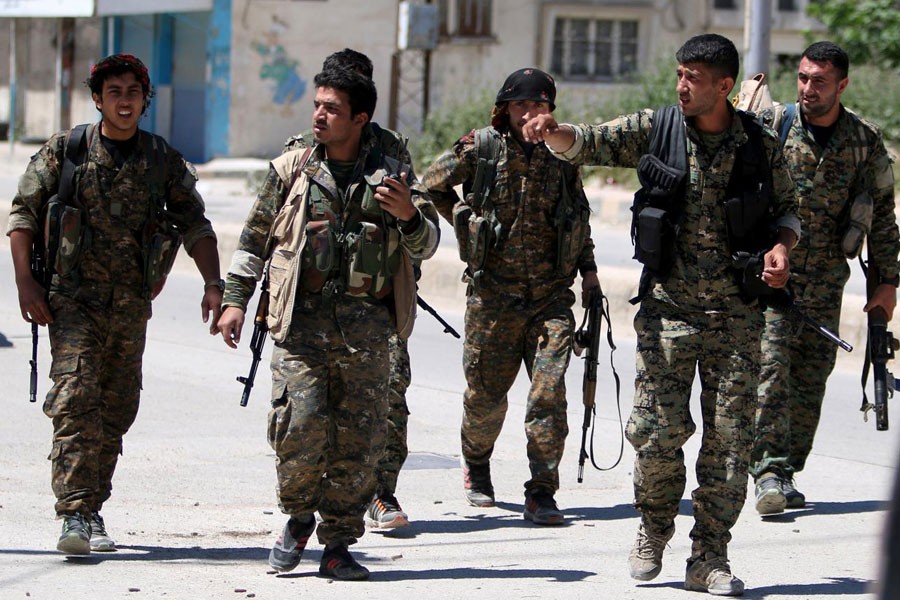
(693,321)
(796,361)
(521,308)
(100,313)
(395,448)
(330,374)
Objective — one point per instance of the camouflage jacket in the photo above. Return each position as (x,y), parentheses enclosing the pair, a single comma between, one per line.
(117,203)
(250,257)
(526,195)
(702,277)
(827,180)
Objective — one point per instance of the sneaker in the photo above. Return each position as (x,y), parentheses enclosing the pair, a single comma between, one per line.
(477,484)
(770,498)
(711,573)
(288,548)
(793,496)
(645,560)
(339,564)
(541,509)
(76,535)
(100,540)
(385,513)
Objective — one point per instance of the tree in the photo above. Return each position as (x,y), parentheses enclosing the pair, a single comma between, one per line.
(869,30)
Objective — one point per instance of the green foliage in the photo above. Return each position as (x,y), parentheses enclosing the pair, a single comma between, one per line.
(869,30)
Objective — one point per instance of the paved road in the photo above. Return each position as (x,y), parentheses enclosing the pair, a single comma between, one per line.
(194,507)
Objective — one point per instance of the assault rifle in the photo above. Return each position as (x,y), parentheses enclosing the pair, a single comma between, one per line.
(447,327)
(260,330)
(753,287)
(39,272)
(589,339)
(880,347)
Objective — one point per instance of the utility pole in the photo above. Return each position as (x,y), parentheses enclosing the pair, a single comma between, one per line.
(757,41)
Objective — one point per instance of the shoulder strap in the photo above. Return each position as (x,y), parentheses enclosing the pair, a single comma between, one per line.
(668,139)
(154,147)
(487,149)
(787,119)
(75,153)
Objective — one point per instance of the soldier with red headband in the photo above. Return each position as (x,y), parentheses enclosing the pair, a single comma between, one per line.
(133,201)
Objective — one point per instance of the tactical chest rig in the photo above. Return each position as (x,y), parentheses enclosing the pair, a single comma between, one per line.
(658,208)
(478,229)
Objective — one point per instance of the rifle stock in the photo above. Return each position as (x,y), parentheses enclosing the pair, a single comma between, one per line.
(260,330)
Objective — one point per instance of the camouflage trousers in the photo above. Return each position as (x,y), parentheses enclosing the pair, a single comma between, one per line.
(327,427)
(502,332)
(794,367)
(395,449)
(96,371)
(673,344)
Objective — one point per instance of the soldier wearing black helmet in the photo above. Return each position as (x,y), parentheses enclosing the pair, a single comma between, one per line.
(523,230)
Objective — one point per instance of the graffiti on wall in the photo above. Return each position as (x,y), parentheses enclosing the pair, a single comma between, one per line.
(279,70)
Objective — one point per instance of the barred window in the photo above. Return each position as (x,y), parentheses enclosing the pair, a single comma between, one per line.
(594,49)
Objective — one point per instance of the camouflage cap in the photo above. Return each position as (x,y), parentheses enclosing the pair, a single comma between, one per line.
(528,84)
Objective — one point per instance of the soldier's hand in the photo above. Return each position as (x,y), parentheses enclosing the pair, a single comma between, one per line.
(776,267)
(544,128)
(212,302)
(885,296)
(230,324)
(32,301)
(589,282)
(395,196)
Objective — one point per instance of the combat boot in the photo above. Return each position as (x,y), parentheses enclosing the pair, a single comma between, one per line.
(770,498)
(712,574)
(76,535)
(793,496)
(645,560)
(100,540)
(477,484)
(541,509)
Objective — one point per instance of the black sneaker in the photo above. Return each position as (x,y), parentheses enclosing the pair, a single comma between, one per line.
(541,509)
(793,496)
(477,484)
(100,540)
(288,548)
(76,535)
(338,563)
(385,513)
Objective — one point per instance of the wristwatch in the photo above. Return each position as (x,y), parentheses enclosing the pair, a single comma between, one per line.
(219,283)
(894,281)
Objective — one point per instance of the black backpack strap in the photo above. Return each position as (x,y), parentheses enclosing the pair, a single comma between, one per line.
(75,153)
(155,147)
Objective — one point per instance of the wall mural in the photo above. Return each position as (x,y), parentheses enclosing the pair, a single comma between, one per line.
(280,71)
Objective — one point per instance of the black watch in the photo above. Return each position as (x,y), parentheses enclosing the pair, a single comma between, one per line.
(219,283)
(894,281)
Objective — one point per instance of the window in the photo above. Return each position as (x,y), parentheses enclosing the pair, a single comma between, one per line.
(594,49)
(727,4)
(787,5)
(465,18)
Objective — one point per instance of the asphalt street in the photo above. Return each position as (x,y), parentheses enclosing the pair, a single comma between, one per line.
(194,509)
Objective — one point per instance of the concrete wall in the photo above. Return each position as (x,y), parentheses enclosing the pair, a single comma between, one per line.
(277,49)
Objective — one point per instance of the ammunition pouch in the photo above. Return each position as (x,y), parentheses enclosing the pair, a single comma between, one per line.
(859,224)
(658,179)
(161,243)
(743,214)
(475,235)
(461,215)
(373,260)
(319,255)
(65,237)
(653,231)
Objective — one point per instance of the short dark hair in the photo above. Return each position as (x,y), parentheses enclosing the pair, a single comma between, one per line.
(358,88)
(349,59)
(831,53)
(713,50)
(116,65)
